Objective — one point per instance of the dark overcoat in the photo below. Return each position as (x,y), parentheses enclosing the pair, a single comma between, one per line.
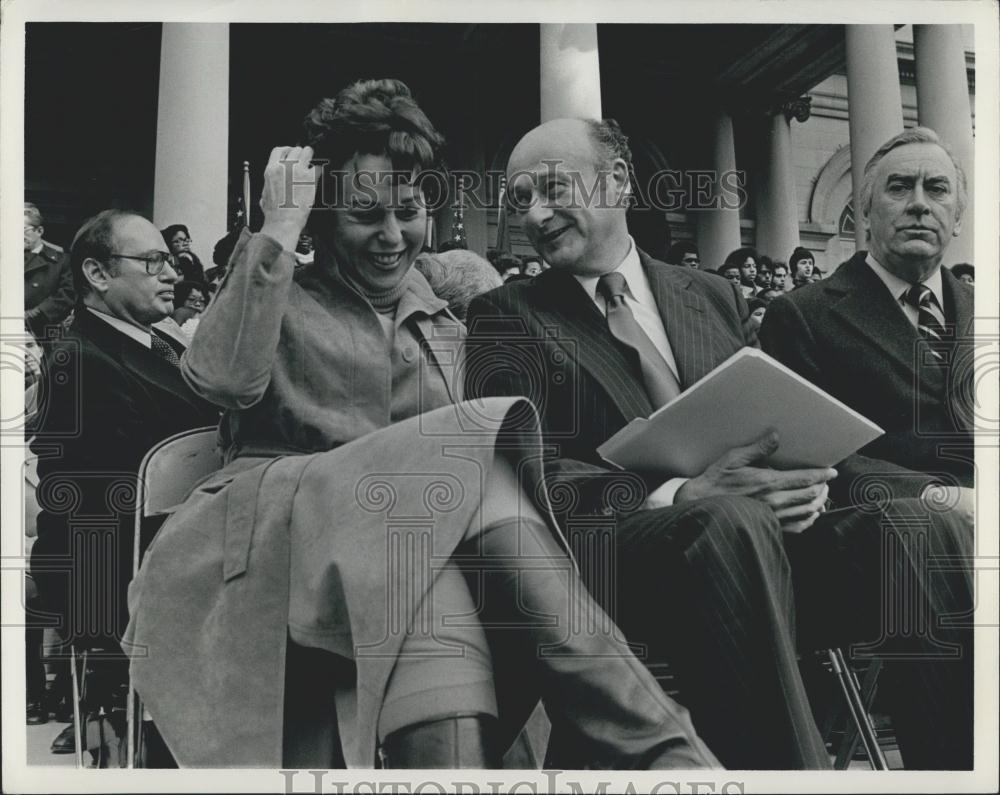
(847,335)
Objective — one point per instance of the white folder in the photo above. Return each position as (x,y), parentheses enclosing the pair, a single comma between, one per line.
(737,402)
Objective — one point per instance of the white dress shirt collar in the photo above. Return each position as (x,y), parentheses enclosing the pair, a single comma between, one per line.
(898,287)
(630,268)
(140,335)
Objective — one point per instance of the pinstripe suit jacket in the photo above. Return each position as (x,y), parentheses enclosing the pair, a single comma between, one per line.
(545,339)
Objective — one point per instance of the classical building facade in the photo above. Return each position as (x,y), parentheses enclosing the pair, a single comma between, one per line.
(792,111)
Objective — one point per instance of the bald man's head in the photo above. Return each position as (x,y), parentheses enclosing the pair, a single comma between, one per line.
(568,183)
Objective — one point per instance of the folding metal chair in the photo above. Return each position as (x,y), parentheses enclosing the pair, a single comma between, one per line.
(858,698)
(100,728)
(167,475)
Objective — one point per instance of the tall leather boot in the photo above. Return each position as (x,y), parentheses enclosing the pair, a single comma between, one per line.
(460,742)
(594,689)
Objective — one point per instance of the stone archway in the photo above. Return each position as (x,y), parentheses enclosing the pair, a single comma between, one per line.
(832,189)
(831,206)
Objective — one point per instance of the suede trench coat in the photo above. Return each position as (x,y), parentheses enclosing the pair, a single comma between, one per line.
(330,473)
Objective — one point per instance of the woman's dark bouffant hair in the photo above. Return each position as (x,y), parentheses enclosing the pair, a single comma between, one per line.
(374,117)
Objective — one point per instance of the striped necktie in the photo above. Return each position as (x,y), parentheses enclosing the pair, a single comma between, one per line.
(661,384)
(930,318)
(164,349)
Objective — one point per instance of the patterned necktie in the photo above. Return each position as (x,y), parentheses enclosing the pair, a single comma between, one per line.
(164,350)
(930,318)
(661,384)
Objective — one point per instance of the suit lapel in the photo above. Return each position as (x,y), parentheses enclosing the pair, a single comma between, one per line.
(959,303)
(860,299)
(35,262)
(155,371)
(959,306)
(137,359)
(685,319)
(572,320)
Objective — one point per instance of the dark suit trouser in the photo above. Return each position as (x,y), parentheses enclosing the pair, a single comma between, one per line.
(896,583)
(718,591)
(34,668)
(707,587)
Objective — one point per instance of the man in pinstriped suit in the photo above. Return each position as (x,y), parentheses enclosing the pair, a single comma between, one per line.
(696,568)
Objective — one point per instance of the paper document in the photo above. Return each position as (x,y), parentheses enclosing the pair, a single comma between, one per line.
(731,406)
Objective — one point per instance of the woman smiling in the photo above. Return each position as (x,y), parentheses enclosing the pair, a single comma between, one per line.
(361,501)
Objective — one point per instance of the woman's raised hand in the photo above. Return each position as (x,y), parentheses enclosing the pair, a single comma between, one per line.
(289,193)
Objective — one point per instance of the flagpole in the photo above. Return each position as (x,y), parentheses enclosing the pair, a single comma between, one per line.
(246,193)
(502,216)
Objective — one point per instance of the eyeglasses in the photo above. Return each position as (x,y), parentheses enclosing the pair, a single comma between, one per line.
(154,262)
(29,227)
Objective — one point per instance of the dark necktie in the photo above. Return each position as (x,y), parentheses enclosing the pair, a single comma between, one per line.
(164,350)
(930,318)
(661,384)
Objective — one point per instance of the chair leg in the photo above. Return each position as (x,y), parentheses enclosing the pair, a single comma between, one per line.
(851,736)
(142,723)
(77,733)
(131,726)
(858,711)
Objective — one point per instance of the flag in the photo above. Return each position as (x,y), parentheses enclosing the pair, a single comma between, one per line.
(458,222)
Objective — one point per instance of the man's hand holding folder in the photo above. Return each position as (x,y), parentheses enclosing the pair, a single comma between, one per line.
(797,496)
(751,427)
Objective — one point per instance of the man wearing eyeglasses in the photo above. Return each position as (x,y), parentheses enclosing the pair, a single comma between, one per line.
(112,389)
(48,284)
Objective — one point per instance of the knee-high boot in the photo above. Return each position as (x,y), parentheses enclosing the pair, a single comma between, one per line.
(594,688)
(462,741)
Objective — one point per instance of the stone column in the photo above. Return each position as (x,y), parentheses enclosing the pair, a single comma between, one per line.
(777,209)
(719,226)
(192,132)
(874,102)
(943,105)
(570,71)
(475,213)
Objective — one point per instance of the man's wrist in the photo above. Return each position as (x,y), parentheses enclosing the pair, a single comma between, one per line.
(665,495)
(687,491)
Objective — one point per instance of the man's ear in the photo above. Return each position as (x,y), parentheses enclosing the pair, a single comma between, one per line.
(621,181)
(866,224)
(957,229)
(97,274)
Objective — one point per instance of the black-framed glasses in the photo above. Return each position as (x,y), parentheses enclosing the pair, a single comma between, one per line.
(154,262)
